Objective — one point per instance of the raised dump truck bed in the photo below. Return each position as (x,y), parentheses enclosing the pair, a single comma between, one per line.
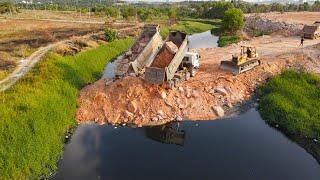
(312,31)
(172,63)
(140,53)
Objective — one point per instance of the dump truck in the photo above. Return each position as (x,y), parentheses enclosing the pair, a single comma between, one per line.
(246,60)
(140,53)
(173,63)
(312,31)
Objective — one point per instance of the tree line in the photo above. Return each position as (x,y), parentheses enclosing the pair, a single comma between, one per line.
(143,11)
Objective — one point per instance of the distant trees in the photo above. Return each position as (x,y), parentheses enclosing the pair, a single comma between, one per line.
(143,12)
(233,20)
(7,7)
(172,14)
(216,9)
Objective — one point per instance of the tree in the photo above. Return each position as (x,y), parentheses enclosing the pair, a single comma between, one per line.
(172,14)
(233,20)
(143,14)
(110,34)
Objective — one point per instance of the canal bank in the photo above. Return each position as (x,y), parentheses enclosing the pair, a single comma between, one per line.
(40,108)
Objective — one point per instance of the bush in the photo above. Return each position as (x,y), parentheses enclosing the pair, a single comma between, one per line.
(233,20)
(110,34)
(292,101)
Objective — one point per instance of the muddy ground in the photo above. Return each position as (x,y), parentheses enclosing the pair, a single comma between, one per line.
(206,96)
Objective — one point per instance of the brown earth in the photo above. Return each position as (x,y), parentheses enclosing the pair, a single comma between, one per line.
(20,38)
(206,96)
(292,17)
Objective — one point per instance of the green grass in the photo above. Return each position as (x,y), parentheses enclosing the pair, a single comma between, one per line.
(292,101)
(189,27)
(225,40)
(37,112)
(3,74)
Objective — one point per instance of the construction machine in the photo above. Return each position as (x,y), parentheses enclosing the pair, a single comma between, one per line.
(167,134)
(141,53)
(173,63)
(311,31)
(246,60)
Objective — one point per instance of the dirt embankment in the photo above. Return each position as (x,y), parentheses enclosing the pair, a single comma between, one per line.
(206,96)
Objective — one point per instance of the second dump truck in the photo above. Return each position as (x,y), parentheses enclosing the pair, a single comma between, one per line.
(173,63)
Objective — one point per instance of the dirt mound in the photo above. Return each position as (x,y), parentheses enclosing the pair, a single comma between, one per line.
(128,100)
(208,95)
(74,46)
(132,101)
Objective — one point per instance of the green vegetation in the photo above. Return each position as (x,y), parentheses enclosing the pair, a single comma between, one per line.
(110,34)
(225,40)
(232,20)
(7,7)
(229,29)
(36,113)
(189,27)
(144,11)
(292,101)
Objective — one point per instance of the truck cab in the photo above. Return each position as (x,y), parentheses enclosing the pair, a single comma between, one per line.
(192,59)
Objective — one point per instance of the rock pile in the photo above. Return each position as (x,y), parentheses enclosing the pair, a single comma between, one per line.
(259,23)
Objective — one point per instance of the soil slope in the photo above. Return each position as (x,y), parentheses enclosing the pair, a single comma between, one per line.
(206,96)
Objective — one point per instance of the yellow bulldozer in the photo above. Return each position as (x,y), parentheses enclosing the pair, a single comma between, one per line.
(246,60)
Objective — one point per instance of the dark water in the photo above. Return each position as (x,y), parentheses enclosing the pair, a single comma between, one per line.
(203,40)
(238,148)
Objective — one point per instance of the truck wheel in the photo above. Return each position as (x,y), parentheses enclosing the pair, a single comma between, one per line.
(193,72)
(176,82)
(188,74)
(170,85)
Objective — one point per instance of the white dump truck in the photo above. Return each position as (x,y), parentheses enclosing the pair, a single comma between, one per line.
(173,63)
(141,53)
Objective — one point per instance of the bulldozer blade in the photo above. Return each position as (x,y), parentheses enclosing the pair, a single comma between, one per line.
(238,69)
(229,66)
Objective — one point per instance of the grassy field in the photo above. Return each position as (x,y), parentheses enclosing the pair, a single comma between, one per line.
(37,112)
(189,27)
(226,40)
(291,101)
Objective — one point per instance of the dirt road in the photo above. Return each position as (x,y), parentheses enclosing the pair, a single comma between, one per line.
(25,66)
(206,96)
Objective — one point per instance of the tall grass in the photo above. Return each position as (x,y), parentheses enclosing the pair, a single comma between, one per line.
(292,100)
(36,113)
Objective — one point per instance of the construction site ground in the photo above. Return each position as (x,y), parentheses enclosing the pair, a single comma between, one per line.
(292,17)
(207,96)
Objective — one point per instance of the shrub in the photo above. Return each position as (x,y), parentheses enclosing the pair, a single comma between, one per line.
(233,20)
(292,101)
(110,34)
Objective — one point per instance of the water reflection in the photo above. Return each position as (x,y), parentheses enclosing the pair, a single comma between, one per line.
(168,134)
(203,40)
(243,147)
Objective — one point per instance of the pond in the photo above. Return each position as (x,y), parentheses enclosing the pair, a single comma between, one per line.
(243,147)
(203,40)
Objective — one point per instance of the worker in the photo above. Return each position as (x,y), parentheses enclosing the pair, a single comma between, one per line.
(302,40)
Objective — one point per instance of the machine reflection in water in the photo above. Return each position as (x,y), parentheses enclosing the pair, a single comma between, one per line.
(167,134)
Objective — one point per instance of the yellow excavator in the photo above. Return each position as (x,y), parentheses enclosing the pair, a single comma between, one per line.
(246,60)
